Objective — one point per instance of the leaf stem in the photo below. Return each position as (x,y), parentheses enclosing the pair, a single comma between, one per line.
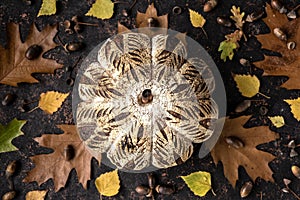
(264,95)
(87,24)
(30,111)
(212,191)
(204,32)
(292,192)
(100,196)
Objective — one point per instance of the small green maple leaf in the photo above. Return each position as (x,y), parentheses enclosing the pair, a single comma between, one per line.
(8,133)
(227,47)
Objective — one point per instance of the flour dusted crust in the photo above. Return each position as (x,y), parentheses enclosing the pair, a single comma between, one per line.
(110,118)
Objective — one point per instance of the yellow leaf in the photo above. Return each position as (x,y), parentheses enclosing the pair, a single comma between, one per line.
(108,184)
(277,121)
(102,9)
(248,85)
(295,107)
(48,8)
(51,101)
(237,17)
(36,195)
(198,182)
(197,19)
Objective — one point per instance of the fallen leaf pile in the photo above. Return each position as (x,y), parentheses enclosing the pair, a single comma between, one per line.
(15,67)
(55,165)
(253,160)
(288,63)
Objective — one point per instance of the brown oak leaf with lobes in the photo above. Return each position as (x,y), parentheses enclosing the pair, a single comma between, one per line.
(142,19)
(289,63)
(253,160)
(55,165)
(15,67)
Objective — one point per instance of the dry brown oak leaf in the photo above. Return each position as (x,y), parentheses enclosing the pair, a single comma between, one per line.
(253,160)
(55,165)
(289,63)
(142,19)
(14,66)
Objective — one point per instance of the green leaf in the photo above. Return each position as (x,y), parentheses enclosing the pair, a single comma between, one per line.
(48,8)
(8,133)
(198,182)
(227,48)
(102,9)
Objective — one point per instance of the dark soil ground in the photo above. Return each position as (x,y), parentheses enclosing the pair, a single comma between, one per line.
(39,123)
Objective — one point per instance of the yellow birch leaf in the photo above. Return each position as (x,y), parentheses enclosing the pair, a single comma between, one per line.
(108,184)
(295,107)
(248,85)
(48,7)
(198,182)
(102,9)
(51,101)
(197,19)
(36,195)
(277,121)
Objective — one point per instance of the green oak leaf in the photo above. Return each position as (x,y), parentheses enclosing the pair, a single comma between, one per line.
(227,48)
(8,133)
(198,182)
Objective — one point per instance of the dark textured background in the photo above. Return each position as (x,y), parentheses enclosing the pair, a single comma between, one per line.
(39,123)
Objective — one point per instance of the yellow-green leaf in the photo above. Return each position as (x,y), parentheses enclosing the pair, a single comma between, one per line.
(248,85)
(227,48)
(36,195)
(277,121)
(108,184)
(197,19)
(51,101)
(102,9)
(295,107)
(48,8)
(198,182)
(8,133)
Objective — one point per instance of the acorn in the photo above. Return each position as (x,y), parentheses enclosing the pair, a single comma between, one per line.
(291,15)
(33,52)
(209,5)
(69,152)
(77,28)
(147,96)
(280,34)
(291,45)
(246,189)
(176,10)
(296,171)
(152,22)
(234,142)
(73,46)
(293,153)
(11,168)
(276,5)
(125,12)
(75,19)
(292,144)
(8,99)
(143,190)
(254,16)
(286,181)
(151,181)
(245,62)
(9,195)
(164,190)
(224,22)
(244,105)
(67,24)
